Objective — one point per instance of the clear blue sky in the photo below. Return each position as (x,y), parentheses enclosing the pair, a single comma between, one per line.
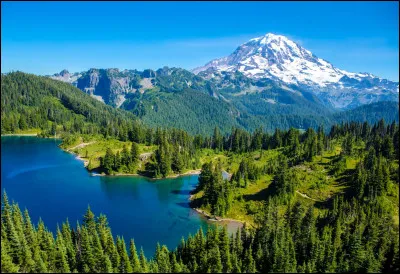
(46,37)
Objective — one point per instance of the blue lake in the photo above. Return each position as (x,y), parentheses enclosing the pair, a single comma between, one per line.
(54,185)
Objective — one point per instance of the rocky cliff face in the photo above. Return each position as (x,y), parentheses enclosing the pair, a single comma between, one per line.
(107,85)
(65,76)
(110,86)
(113,87)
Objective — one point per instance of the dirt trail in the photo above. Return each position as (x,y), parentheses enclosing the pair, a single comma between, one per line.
(305,196)
(217,218)
(81,145)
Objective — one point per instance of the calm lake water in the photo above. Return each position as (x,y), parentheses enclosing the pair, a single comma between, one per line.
(54,185)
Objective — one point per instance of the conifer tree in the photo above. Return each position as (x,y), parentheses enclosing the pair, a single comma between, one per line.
(12,235)
(108,161)
(224,250)
(177,161)
(249,265)
(124,264)
(214,260)
(98,252)
(143,262)
(134,153)
(61,259)
(175,266)
(205,176)
(125,157)
(133,257)
(88,262)
(117,161)
(106,266)
(347,146)
(7,265)
(217,140)
(89,221)
(162,259)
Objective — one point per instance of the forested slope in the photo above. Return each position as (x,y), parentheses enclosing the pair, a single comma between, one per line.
(35,102)
(350,230)
(191,110)
(389,111)
(29,101)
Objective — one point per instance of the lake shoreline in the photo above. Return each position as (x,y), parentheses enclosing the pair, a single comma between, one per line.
(30,135)
(210,218)
(217,219)
(86,163)
(231,223)
(188,173)
(228,221)
(20,134)
(147,211)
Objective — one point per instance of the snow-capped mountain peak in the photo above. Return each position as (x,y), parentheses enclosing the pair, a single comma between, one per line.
(278,58)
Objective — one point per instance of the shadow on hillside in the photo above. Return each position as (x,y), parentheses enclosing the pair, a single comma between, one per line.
(195,203)
(331,157)
(146,174)
(324,204)
(324,164)
(348,192)
(97,170)
(262,195)
(345,178)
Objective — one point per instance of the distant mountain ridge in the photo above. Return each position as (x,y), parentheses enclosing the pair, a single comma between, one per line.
(269,81)
(270,57)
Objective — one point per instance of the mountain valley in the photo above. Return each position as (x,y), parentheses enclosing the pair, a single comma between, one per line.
(269,81)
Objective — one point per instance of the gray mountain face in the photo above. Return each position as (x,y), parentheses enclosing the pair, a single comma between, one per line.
(110,86)
(65,76)
(114,87)
(277,58)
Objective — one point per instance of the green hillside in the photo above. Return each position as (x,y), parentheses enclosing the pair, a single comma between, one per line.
(34,102)
(191,110)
